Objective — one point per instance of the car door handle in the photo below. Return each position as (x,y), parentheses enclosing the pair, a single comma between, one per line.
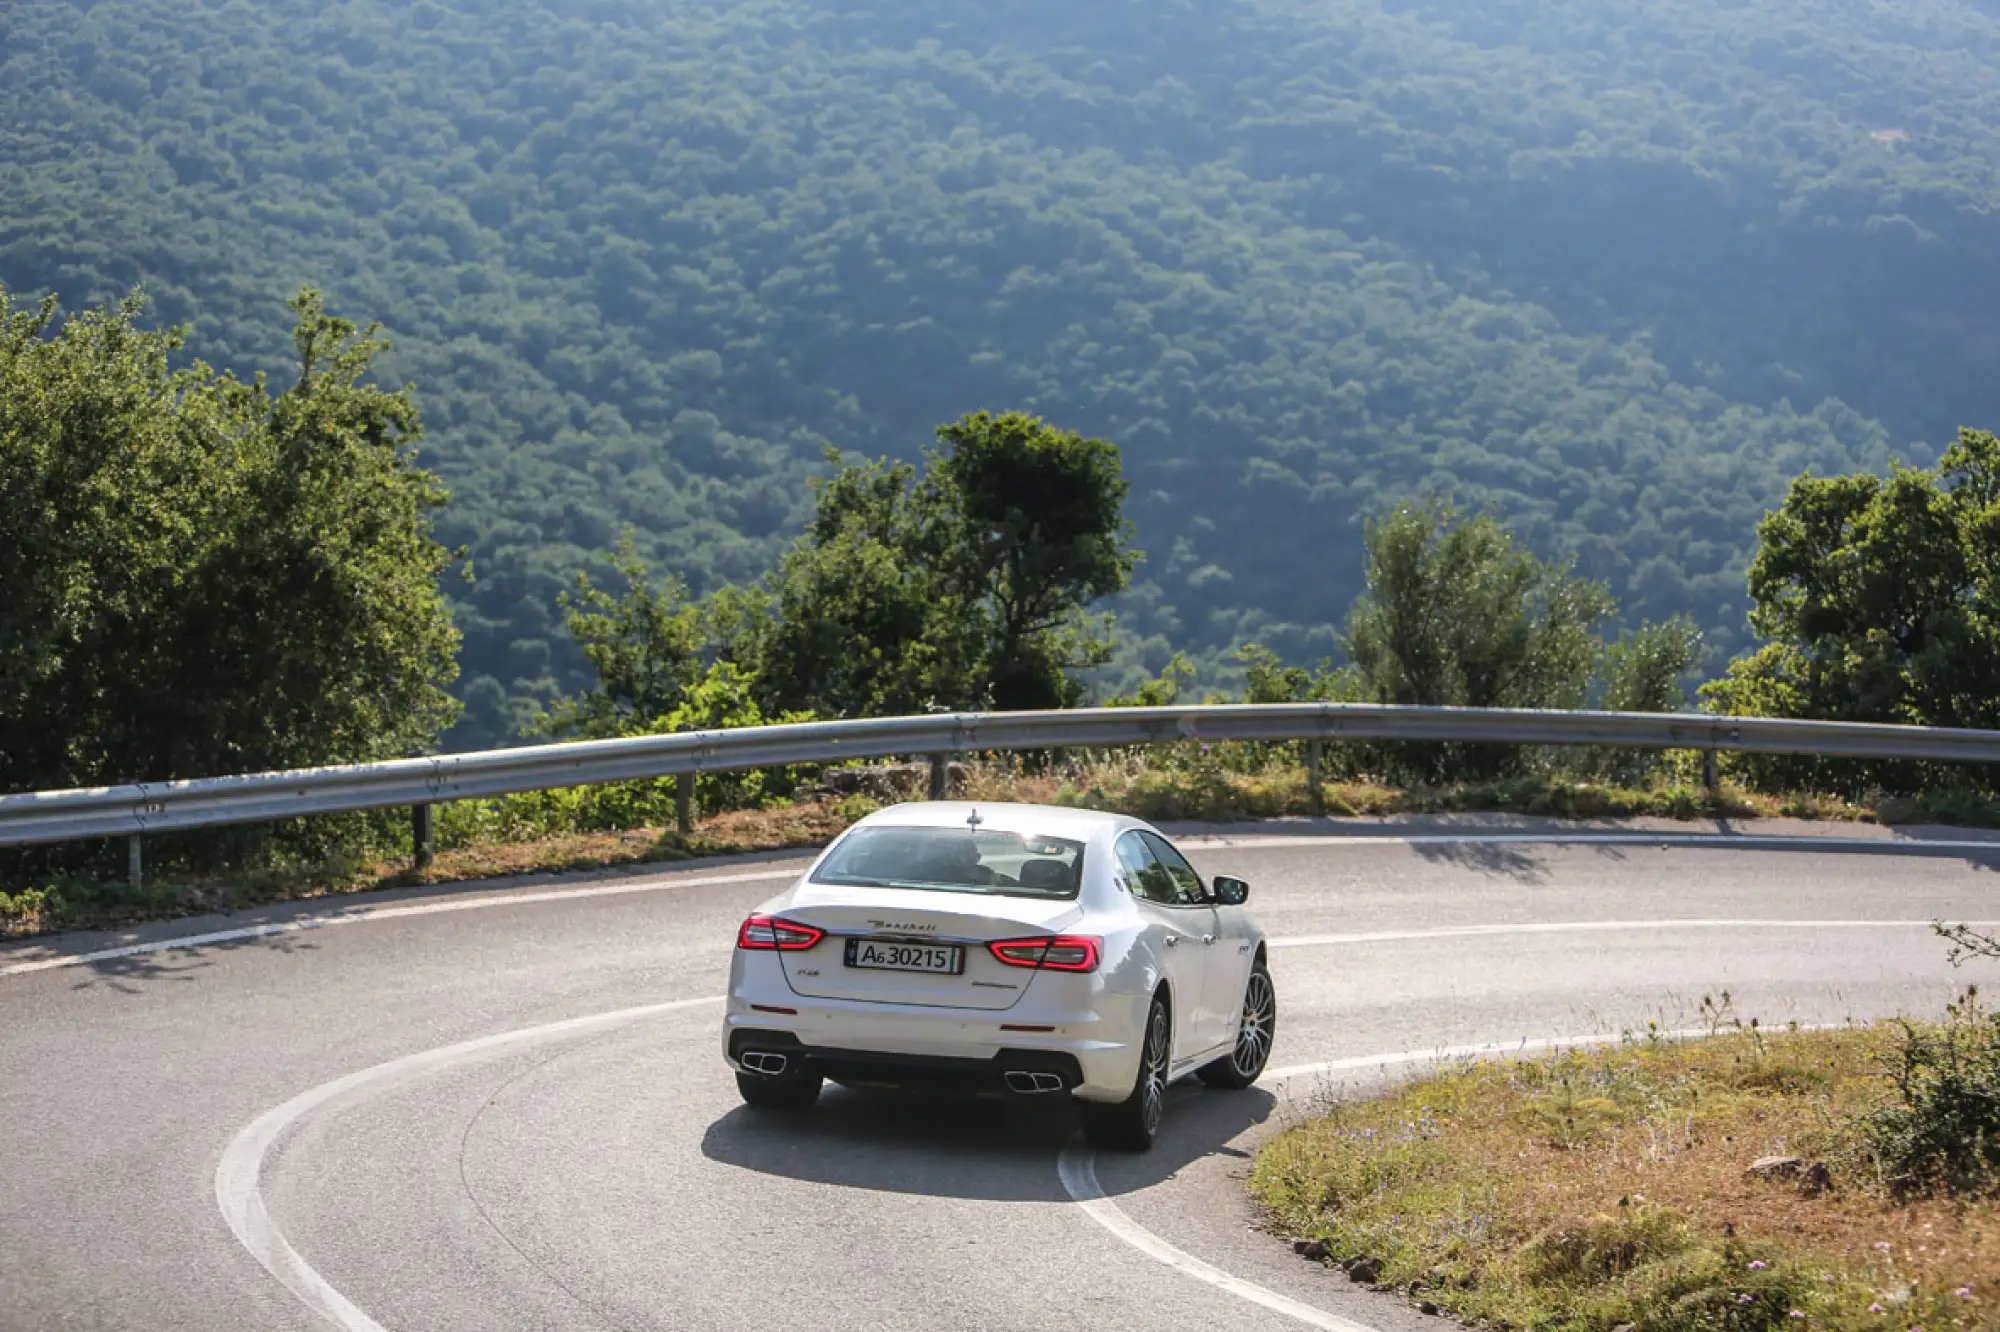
(1173,940)
(1208,938)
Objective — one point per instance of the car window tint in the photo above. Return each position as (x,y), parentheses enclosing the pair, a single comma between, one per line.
(1188,890)
(1145,876)
(959,860)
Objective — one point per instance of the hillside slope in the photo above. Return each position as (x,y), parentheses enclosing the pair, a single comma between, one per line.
(1622,267)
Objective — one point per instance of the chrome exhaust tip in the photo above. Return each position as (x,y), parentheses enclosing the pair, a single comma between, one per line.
(1032,1083)
(767,1062)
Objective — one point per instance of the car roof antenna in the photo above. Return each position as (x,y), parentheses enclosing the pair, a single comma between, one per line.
(973,820)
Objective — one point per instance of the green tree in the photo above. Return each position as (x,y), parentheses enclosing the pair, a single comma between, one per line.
(1456,614)
(1646,669)
(965,585)
(866,615)
(1041,534)
(1163,690)
(198,576)
(646,648)
(1880,598)
(1268,678)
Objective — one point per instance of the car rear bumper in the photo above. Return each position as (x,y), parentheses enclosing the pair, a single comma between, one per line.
(1020,1072)
(946,1048)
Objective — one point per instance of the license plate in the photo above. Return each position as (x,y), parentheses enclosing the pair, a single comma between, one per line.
(893,955)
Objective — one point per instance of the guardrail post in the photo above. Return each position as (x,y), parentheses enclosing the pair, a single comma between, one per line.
(1711,774)
(940,776)
(684,804)
(423,840)
(1315,798)
(135,866)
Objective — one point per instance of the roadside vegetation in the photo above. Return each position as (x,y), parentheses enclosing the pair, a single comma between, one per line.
(1745,1179)
(212,576)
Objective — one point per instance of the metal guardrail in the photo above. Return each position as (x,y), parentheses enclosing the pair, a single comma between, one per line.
(131,811)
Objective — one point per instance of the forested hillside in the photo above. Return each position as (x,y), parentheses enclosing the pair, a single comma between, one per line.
(1621,267)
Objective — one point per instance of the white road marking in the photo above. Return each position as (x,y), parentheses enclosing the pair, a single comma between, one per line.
(651,884)
(1206,841)
(1592,926)
(238,1174)
(1078,1169)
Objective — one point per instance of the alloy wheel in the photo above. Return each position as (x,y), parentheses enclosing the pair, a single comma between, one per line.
(1253,1038)
(1155,1104)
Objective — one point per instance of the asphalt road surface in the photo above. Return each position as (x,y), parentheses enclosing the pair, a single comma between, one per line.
(505,1108)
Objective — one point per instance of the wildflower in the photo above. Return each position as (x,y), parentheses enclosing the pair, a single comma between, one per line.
(1963,1292)
(1759,1265)
(1882,1245)
(1796,1313)
(1876,1308)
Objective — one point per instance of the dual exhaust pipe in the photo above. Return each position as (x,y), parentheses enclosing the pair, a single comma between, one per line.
(771,1064)
(1032,1083)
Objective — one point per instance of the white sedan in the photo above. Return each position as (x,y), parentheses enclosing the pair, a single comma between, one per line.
(1019,948)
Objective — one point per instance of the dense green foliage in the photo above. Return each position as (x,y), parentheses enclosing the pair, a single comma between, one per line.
(1941,1132)
(198,576)
(964,587)
(645,649)
(1455,614)
(1037,524)
(1620,267)
(1881,600)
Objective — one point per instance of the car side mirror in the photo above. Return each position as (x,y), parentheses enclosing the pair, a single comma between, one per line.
(1228,891)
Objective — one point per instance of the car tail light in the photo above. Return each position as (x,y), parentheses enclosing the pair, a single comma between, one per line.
(1062,952)
(776,932)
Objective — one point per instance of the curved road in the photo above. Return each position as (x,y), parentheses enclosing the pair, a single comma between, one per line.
(504,1109)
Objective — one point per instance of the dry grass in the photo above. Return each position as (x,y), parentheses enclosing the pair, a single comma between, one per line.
(1595,1188)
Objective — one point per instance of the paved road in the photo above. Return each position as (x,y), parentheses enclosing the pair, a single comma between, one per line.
(601,1175)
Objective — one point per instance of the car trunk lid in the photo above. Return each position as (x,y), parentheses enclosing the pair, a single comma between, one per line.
(894,926)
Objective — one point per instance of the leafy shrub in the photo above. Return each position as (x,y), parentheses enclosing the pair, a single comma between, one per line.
(1877,595)
(721,697)
(1942,1132)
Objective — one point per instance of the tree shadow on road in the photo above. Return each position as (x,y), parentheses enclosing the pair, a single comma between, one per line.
(132,974)
(1492,859)
(973,1148)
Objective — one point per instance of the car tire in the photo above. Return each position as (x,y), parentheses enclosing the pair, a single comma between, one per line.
(787,1091)
(1244,1063)
(1131,1125)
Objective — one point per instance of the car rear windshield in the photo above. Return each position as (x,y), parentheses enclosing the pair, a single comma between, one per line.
(956,860)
